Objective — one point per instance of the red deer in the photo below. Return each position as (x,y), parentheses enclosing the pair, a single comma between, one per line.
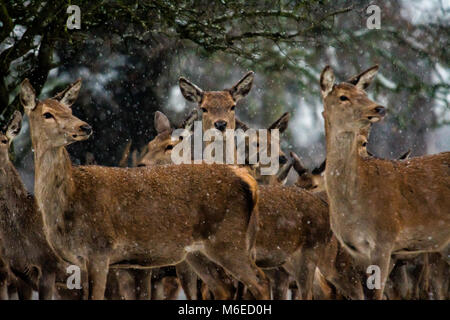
(294,227)
(338,267)
(101,217)
(217,106)
(123,284)
(281,124)
(159,150)
(310,180)
(218,113)
(379,207)
(24,245)
(410,277)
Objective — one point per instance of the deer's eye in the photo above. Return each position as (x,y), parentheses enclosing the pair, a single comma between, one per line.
(169,147)
(4,141)
(204,110)
(364,144)
(48,115)
(344,98)
(232,108)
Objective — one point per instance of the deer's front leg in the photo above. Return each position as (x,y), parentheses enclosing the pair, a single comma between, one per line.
(381,257)
(279,283)
(143,286)
(188,279)
(4,290)
(97,274)
(46,286)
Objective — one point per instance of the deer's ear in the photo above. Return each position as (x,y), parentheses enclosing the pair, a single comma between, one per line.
(364,79)
(405,155)
(162,123)
(282,123)
(190,91)
(70,94)
(242,87)
(241,125)
(298,165)
(326,81)
(14,125)
(188,123)
(283,173)
(27,95)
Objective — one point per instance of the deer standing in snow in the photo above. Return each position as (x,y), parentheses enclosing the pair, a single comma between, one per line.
(24,245)
(294,228)
(100,217)
(379,208)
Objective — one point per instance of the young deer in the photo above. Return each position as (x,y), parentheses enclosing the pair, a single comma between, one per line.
(281,124)
(218,112)
(218,109)
(309,180)
(338,267)
(217,106)
(159,150)
(379,207)
(410,277)
(97,217)
(294,228)
(25,248)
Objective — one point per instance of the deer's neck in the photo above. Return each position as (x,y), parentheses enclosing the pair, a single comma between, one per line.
(14,199)
(54,185)
(341,173)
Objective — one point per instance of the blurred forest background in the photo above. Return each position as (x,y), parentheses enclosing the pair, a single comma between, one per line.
(130,55)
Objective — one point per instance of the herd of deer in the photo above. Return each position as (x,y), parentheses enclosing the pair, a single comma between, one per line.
(224,231)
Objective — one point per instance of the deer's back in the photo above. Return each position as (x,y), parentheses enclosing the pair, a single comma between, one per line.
(290,218)
(412,196)
(123,207)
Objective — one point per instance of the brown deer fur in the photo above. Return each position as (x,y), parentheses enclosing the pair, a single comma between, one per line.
(337,267)
(294,227)
(217,106)
(143,217)
(23,240)
(379,207)
(410,278)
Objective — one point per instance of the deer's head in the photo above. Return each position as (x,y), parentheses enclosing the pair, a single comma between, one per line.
(309,180)
(217,106)
(281,124)
(7,135)
(52,120)
(159,150)
(346,105)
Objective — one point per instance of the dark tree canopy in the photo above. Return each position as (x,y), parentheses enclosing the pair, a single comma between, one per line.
(130,54)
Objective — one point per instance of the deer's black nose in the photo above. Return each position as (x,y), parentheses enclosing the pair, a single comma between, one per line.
(220,125)
(87,129)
